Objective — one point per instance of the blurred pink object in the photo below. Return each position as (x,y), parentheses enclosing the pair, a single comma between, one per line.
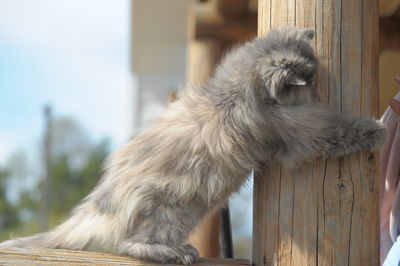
(390,176)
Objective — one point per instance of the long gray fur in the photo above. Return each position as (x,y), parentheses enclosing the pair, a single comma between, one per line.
(158,187)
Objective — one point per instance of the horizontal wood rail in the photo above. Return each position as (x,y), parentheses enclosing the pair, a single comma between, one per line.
(32,256)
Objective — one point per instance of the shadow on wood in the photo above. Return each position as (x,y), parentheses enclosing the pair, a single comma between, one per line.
(31,256)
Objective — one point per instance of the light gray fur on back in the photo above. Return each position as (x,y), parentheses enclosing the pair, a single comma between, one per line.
(257,109)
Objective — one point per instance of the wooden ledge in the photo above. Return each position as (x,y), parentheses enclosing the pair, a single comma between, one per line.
(32,256)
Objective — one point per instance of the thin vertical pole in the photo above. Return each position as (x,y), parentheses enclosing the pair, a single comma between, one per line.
(45,193)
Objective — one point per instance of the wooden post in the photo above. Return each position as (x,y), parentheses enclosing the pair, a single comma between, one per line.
(325,213)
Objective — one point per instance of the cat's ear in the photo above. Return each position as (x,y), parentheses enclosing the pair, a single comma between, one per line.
(307,34)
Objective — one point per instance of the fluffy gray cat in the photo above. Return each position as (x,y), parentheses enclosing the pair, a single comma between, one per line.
(257,109)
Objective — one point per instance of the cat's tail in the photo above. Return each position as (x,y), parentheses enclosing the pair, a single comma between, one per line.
(39,240)
(82,231)
(51,239)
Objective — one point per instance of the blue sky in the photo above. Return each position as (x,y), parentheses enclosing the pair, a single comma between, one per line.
(69,53)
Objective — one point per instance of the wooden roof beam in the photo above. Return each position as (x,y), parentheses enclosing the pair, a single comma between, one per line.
(232,9)
(237,30)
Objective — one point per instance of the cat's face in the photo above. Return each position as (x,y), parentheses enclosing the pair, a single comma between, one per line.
(288,68)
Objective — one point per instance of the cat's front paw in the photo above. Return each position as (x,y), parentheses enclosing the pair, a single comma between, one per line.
(371,133)
(377,134)
(189,254)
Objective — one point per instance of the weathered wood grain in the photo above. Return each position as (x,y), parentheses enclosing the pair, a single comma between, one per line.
(325,213)
(388,7)
(19,256)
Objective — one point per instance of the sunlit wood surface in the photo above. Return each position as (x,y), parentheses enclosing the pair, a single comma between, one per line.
(19,256)
(325,213)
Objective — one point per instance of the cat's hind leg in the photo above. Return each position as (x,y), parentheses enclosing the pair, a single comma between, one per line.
(161,235)
(159,252)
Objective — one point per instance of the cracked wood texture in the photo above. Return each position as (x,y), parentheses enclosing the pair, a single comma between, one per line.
(325,213)
(32,256)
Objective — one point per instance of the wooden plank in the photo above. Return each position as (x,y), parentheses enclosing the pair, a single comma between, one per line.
(325,213)
(31,256)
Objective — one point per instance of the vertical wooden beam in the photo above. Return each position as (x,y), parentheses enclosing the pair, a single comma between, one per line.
(325,213)
(213,27)
(203,55)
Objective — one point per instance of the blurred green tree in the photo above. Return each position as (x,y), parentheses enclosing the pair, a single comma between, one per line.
(75,168)
(69,184)
(9,213)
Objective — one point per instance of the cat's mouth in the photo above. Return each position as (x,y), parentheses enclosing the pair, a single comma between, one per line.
(296,81)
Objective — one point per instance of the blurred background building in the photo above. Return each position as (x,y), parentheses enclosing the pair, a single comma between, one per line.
(107,69)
